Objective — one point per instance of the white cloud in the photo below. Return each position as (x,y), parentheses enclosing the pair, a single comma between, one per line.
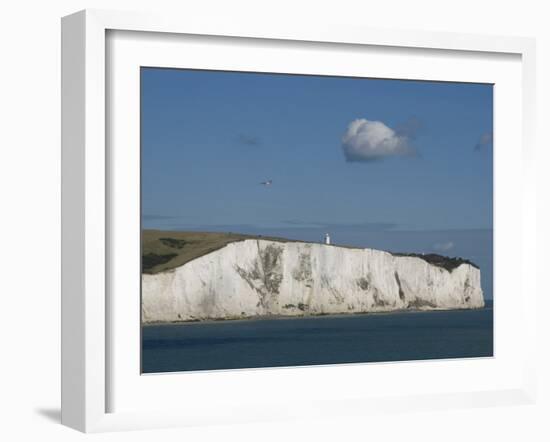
(444,246)
(367,140)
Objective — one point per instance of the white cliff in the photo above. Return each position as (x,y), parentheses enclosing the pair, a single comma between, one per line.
(253,278)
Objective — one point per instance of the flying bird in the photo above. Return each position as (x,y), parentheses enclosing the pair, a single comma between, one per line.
(267,183)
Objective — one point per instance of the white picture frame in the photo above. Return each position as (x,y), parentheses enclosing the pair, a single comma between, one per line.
(86,205)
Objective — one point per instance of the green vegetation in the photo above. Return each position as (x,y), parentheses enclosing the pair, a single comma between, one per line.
(162,250)
(445,262)
(174,243)
(150,260)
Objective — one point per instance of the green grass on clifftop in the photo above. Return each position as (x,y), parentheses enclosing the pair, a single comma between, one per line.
(164,250)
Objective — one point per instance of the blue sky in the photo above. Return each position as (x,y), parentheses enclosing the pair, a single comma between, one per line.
(413,173)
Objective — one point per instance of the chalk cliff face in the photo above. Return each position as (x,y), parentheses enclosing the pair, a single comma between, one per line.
(258,278)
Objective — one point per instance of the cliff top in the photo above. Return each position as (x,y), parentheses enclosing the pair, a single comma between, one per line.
(164,250)
(446,262)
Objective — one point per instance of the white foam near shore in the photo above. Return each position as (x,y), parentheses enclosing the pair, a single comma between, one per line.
(254,278)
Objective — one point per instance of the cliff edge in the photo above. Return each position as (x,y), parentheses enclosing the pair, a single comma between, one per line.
(246,277)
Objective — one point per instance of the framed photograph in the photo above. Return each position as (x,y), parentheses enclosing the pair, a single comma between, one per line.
(291,223)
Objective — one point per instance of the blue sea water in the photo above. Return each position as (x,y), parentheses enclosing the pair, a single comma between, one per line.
(399,336)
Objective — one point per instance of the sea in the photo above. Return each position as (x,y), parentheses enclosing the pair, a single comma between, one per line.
(318,340)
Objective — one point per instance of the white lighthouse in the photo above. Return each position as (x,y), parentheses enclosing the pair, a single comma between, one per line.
(327,238)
